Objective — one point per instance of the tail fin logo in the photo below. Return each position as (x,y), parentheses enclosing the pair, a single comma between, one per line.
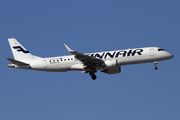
(20,49)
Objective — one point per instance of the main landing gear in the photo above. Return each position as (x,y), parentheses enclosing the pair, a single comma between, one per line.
(92,74)
(155,63)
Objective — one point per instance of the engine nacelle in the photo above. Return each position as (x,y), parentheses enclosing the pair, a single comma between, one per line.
(112,70)
(110,63)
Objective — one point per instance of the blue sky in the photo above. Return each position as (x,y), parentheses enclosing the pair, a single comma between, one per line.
(137,93)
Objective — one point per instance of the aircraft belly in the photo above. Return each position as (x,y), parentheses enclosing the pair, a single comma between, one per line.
(125,61)
(58,67)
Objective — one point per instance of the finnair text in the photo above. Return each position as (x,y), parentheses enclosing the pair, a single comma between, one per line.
(116,54)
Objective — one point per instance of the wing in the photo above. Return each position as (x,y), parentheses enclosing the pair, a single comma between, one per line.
(85,59)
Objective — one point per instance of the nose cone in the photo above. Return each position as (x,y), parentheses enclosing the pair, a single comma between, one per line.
(171,56)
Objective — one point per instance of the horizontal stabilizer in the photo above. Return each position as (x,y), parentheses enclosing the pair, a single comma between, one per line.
(16,62)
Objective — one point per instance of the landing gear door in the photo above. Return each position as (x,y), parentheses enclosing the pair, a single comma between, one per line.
(151,51)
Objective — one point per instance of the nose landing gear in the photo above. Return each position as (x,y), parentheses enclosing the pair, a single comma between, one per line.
(156,68)
(155,63)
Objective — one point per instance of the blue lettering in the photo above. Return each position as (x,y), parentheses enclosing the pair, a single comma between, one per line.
(121,53)
(129,53)
(91,55)
(110,55)
(99,56)
(138,51)
(117,54)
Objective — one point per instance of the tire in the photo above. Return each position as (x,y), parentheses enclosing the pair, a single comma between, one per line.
(93,77)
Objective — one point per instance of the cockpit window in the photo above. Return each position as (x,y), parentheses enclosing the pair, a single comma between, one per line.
(161,49)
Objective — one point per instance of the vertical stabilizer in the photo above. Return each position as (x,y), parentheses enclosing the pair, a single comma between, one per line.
(19,52)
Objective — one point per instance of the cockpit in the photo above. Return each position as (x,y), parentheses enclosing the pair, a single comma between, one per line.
(160,49)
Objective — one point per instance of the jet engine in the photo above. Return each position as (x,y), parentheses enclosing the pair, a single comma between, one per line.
(112,70)
(110,63)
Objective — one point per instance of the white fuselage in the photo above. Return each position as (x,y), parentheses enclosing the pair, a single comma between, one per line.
(123,57)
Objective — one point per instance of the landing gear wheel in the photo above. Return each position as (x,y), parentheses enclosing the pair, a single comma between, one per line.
(155,63)
(156,68)
(91,73)
(93,77)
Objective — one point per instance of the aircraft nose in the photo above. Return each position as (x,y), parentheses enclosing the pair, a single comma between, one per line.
(171,55)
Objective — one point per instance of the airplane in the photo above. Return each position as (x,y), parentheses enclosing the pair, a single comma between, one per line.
(108,62)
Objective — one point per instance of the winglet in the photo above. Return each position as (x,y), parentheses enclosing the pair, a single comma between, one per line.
(69,49)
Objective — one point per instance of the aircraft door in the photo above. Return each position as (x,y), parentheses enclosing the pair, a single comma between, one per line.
(44,63)
(151,52)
